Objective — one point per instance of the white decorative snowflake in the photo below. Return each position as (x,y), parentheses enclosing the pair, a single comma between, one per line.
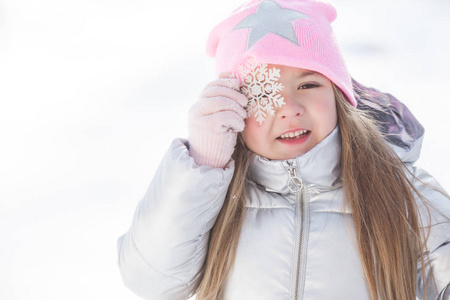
(261,88)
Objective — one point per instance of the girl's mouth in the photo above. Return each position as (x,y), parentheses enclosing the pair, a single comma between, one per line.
(293,135)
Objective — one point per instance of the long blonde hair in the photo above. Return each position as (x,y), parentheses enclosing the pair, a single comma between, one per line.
(376,189)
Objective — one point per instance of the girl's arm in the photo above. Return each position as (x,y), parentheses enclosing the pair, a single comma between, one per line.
(162,254)
(437,262)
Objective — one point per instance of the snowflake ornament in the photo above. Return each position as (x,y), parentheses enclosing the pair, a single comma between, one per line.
(261,88)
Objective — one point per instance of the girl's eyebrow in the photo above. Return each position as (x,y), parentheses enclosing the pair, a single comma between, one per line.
(307,73)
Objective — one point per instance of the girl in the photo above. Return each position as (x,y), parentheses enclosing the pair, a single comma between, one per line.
(285,189)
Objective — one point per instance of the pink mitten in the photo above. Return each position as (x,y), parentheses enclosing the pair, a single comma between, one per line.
(215,120)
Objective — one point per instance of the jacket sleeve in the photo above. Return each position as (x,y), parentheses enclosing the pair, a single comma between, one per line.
(163,253)
(437,262)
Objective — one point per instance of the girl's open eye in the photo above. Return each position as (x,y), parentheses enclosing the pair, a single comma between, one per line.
(307,86)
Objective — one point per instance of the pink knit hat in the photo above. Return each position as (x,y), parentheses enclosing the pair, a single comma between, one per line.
(294,33)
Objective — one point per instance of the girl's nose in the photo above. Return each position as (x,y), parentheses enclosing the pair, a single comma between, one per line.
(291,109)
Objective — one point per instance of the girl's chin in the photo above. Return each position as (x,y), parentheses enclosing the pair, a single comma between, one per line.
(286,155)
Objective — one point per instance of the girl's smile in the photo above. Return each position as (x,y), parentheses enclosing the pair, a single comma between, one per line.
(308,116)
(293,135)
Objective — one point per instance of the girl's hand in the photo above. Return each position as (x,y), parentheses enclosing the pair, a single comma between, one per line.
(214,121)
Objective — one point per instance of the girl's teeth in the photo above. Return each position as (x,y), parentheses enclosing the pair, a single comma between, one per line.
(293,134)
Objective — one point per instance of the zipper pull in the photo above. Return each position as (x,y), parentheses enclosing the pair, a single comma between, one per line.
(294,184)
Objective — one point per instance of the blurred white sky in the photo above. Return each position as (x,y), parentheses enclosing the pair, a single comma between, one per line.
(93,91)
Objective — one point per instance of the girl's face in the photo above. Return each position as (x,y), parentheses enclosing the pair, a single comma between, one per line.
(308,116)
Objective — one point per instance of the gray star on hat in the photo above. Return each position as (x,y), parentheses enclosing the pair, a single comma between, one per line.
(270,18)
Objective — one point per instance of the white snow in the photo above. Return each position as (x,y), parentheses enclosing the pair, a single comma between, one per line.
(93,91)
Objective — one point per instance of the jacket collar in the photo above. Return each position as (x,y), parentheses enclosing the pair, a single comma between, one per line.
(319,167)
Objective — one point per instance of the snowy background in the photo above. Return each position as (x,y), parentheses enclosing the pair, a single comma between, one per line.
(93,91)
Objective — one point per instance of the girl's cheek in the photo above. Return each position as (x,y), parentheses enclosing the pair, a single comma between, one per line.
(325,106)
(251,122)
(251,128)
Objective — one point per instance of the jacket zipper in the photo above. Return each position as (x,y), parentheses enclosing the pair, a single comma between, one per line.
(296,186)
